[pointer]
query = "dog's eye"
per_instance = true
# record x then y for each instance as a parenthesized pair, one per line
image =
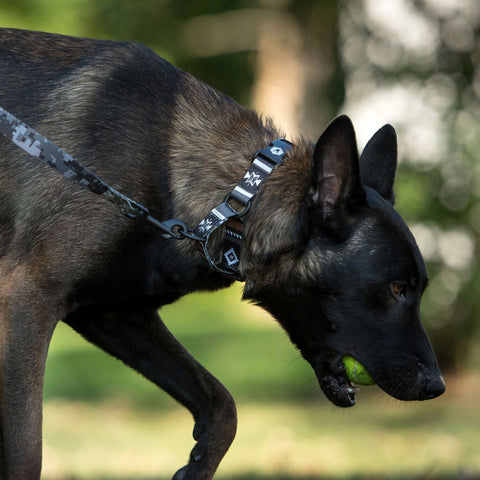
(399, 289)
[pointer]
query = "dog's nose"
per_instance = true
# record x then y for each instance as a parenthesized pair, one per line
(434, 387)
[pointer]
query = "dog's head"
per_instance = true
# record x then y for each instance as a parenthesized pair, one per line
(328, 256)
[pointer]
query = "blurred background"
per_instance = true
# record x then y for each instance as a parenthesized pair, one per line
(411, 63)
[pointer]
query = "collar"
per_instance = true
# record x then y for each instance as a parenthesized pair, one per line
(264, 162)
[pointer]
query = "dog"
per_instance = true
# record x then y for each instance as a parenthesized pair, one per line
(323, 249)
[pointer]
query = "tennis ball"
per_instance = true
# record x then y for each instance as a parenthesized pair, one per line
(356, 372)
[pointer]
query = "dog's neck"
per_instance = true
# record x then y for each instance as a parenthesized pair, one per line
(212, 144)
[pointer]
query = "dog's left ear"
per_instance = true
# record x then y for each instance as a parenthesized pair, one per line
(335, 171)
(378, 162)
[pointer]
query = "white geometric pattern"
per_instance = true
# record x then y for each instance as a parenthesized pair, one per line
(231, 257)
(252, 179)
(205, 224)
(276, 151)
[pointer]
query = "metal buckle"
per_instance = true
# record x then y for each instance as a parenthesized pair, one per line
(275, 151)
(238, 214)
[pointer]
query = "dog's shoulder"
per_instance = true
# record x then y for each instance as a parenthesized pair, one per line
(63, 77)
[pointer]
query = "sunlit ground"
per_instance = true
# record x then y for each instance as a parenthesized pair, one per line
(379, 438)
(102, 421)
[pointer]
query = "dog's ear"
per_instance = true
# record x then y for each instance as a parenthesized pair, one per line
(378, 162)
(335, 174)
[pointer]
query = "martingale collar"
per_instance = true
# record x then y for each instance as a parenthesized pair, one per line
(264, 162)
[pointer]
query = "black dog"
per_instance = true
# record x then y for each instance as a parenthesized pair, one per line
(323, 249)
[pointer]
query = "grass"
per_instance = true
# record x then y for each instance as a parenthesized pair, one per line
(377, 438)
(104, 422)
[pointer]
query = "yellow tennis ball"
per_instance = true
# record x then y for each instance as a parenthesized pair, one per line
(356, 372)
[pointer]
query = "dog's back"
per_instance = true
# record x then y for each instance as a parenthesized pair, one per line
(35, 65)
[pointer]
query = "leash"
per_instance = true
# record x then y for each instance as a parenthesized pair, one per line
(265, 161)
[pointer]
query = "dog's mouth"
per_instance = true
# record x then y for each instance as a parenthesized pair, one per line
(406, 383)
(333, 380)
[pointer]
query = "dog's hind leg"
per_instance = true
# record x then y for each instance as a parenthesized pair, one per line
(142, 341)
(25, 333)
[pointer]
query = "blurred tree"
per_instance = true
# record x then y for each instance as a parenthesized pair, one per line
(244, 48)
(161, 25)
(297, 76)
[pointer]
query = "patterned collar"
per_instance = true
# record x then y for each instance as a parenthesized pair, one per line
(264, 162)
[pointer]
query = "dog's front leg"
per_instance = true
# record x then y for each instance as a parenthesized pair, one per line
(25, 333)
(142, 341)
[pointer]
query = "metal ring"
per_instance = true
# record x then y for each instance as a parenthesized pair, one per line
(242, 212)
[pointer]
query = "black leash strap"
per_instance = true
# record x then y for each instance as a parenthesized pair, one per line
(50, 154)
(265, 161)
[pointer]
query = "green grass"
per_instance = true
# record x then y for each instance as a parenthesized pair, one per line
(105, 422)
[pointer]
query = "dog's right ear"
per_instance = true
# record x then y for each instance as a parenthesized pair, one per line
(335, 170)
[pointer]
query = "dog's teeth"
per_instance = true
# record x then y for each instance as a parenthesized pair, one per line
(352, 389)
